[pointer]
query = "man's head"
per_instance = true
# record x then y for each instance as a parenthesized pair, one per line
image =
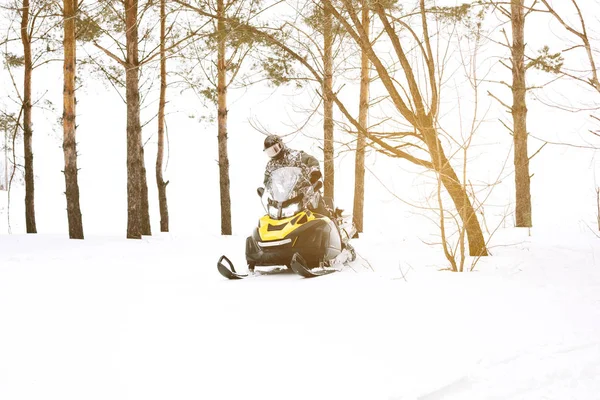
(273, 146)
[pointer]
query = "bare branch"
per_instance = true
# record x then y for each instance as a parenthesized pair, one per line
(111, 55)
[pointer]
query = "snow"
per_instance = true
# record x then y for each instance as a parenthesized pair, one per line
(153, 319)
(110, 318)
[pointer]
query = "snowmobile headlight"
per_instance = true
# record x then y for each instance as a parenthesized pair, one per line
(273, 212)
(290, 210)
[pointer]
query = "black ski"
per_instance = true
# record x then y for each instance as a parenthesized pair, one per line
(299, 267)
(228, 271)
(226, 268)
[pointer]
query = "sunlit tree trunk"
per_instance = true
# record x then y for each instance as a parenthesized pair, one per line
(134, 140)
(422, 120)
(456, 190)
(69, 126)
(222, 124)
(160, 183)
(27, 124)
(519, 113)
(145, 210)
(363, 113)
(329, 169)
(5, 160)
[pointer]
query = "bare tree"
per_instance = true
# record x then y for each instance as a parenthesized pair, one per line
(10, 127)
(363, 114)
(422, 115)
(224, 183)
(519, 113)
(452, 231)
(231, 47)
(520, 64)
(69, 125)
(138, 218)
(328, 164)
(27, 125)
(598, 206)
(131, 61)
(160, 183)
(590, 75)
(36, 36)
(583, 41)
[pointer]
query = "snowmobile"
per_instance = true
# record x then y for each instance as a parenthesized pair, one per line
(290, 234)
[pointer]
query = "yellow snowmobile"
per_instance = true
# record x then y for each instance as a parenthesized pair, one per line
(290, 234)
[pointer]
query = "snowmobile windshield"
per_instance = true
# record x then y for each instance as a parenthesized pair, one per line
(282, 183)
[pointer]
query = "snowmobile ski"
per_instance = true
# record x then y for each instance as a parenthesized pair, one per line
(299, 267)
(228, 271)
(225, 267)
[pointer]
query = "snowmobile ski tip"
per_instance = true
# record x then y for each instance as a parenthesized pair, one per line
(228, 271)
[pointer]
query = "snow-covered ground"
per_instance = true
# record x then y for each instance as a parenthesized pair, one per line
(113, 319)
(108, 318)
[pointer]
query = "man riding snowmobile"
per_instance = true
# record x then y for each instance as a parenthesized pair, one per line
(282, 156)
(298, 230)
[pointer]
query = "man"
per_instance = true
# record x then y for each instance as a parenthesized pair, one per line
(282, 156)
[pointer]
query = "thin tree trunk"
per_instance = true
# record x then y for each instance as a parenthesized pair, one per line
(363, 113)
(598, 206)
(519, 112)
(6, 159)
(69, 126)
(329, 169)
(456, 190)
(27, 124)
(145, 209)
(222, 124)
(160, 183)
(134, 140)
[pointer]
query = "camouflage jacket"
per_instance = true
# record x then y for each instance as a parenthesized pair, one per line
(292, 158)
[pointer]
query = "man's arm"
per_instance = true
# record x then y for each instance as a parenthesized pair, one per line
(309, 160)
(314, 169)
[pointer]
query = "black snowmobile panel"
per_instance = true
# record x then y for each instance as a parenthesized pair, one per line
(315, 240)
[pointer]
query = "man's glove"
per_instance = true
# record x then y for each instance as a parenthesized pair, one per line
(314, 176)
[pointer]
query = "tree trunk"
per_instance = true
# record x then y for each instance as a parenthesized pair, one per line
(145, 209)
(329, 169)
(134, 140)
(160, 183)
(5, 159)
(519, 113)
(69, 126)
(27, 124)
(363, 113)
(222, 124)
(456, 190)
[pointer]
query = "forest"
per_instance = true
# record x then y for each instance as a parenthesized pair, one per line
(460, 94)
(459, 136)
